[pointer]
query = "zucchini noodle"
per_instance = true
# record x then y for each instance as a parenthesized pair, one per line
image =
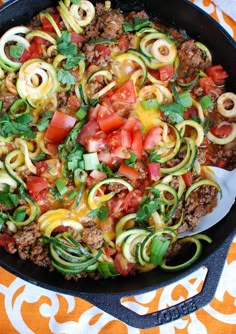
(10, 83)
(223, 100)
(225, 140)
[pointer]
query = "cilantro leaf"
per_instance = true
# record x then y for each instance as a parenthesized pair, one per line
(39, 157)
(102, 167)
(3, 218)
(100, 213)
(8, 199)
(174, 111)
(66, 77)
(73, 61)
(139, 23)
(16, 50)
(19, 126)
(154, 156)
(148, 205)
(64, 45)
(132, 159)
(127, 26)
(44, 122)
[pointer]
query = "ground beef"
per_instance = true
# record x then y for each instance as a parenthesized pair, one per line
(96, 55)
(191, 59)
(28, 246)
(200, 203)
(93, 237)
(7, 100)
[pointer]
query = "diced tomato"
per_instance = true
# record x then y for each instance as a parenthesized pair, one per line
(188, 178)
(102, 51)
(49, 169)
(221, 163)
(35, 184)
(128, 171)
(73, 101)
(60, 229)
(154, 171)
(46, 25)
(6, 240)
(120, 153)
(123, 43)
(109, 251)
(125, 93)
(126, 138)
(131, 201)
(166, 72)
(76, 38)
(137, 144)
(111, 122)
(132, 124)
(103, 111)
(190, 112)
(154, 73)
(52, 148)
(122, 265)
(59, 127)
(88, 130)
(97, 175)
(105, 157)
(96, 143)
(35, 49)
(93, 112)
(153, 138)
(222, 131)
(209, 87)
(217, 74)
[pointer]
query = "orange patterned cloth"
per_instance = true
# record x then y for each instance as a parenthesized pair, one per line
(28, 309)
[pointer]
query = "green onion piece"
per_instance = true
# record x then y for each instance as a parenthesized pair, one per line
(72, 194)
(174, 90)
(79, 176)
(158, 249)
(61, 186)
(1, 104)
(81, 114)
(20, 107)
(150, 104)
(206, 102)
(90, 161)
(185, 99)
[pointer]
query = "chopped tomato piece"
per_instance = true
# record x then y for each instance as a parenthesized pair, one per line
(132, 201)
(102, 51)
(59, 127)
(188, 178)
(123, 43)
(35, 184)
(52, 148)
(122, 265)
(154, 171)
(103, 111)
(166, 72)
(129, 172)
(109, 251)
(154, 73)
(190, 112)
(6, 240)
(97, 175)
(217, 74)
(35, 49)
(60, 229)
(96, 143)
(125, 93)
(73, 101)
(221, 163)
(222, 131)
(110, 122)
(137, 144)
(76, 38)
(152, 138)
(105, 157)
(47, 25)
(88, 130)
(120, 152)
(132, 124)
(126, 138)
(209, 87)
(49, 169)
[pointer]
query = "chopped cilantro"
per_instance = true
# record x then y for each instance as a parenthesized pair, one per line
(39, 157)
(102, 167)
(64, 45)
(132, 159)
(100, 213)
(16, 50)
(174, 111)
(148, 205)
(19, 126)
(66, 77)
(94, 102)
(44, 122)
(154, 156)
(73, 61)
(55, 193)
(139, 23)
(3, 218)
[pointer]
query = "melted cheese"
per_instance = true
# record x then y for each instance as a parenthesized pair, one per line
(148, 118)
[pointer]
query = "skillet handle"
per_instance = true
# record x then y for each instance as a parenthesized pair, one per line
(110, 303)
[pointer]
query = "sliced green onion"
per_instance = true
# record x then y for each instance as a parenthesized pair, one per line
(81, 113)
(79, 176)
(158, 249)
(206, 102)
(20, 215)
(90, 161)
(174, 107)
(185, 99)
(61, 186)
(150, 104)
(72, 194)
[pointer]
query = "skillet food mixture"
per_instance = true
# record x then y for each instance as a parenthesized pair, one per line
(106, 120)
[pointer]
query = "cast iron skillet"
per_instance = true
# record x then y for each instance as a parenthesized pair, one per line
(106, 294)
